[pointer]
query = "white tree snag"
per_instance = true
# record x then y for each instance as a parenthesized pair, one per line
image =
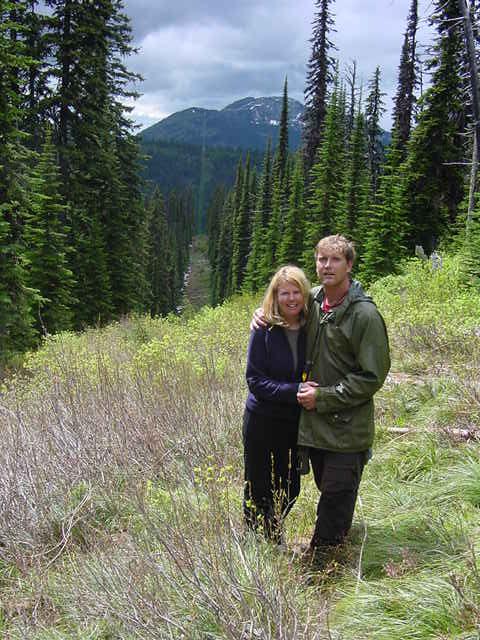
(475, 90)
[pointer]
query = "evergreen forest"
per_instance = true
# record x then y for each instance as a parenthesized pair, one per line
(87, 236)
(80, 243)
(415, 196)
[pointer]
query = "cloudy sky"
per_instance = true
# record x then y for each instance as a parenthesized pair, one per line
(208, 53)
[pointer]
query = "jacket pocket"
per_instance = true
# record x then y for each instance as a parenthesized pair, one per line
(340, 418)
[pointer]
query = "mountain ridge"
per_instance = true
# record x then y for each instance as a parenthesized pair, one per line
(247, 123)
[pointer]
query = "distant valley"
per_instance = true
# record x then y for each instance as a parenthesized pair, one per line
(200, 148)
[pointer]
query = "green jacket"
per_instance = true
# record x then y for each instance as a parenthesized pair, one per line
(349, 355)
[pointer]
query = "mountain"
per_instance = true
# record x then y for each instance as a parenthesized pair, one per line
(244, 124)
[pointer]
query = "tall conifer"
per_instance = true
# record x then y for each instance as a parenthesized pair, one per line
(326, 177)
(319, 76)
(46, 240)
(17, 299)
(161, 263)
(221, 275)
(384, 227)
(272, 235)
(89, 43)
(214, 212)
(407, 80)
(282, 149)
(292, 240)
(434, 181)
(241, 230)
(374, 107)
(262, 211)
(355, 193)
(36, 80)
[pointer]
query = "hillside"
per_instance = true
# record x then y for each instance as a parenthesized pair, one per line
(121, 486)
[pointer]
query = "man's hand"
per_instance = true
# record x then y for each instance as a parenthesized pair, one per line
(306, 395)
(258, 320)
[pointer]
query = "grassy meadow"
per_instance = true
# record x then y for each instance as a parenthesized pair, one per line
(121, 486)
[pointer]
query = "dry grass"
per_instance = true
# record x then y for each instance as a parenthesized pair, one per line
(64, 443)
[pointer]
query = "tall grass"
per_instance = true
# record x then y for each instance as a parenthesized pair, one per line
(121, 487)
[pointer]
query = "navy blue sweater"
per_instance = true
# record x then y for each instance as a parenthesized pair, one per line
(271, 378)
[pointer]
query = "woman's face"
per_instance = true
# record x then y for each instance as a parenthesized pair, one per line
(290, 301)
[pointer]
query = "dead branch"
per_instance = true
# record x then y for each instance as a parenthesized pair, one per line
(464, 434)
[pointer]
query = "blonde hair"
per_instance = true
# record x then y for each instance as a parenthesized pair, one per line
(293, 275)
(337, 243)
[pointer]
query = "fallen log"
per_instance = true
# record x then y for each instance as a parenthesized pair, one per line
(463, 434)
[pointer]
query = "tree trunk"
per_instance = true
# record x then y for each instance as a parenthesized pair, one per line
(473, 72)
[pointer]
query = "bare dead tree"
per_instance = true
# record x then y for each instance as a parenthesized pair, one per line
(466, 13)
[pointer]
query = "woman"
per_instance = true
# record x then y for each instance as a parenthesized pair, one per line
(275, 361)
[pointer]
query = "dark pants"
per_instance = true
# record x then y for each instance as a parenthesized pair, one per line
(337, 476)
(272, 481)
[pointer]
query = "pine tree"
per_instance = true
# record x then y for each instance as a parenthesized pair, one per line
(161, 263)
(89, 43)
(221, 275)
(373, 110)
(282, 149)
(36, 84)
(262, 210)
(407, 81)
(319, 77)
(233, 209)
(241, 230)
(291, 244)
(127, 255)
(252, 280)
(213, 221)
(326, 177)
(470, 248)
(46, 239)
(175, 277)
(180, 215)
(89, 262)
(351, 83)
(384, 227)
(266, 187)
(355, 193)
(17, 299)
(434, 181)
(272, 235)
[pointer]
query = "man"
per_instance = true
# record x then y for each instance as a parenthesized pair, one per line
(347, 363)
(348, 353)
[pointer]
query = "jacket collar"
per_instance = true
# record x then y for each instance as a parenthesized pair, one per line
(355, 294)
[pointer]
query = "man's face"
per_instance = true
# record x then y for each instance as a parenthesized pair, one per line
(333, 269)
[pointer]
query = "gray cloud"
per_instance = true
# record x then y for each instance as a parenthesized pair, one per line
(209, 54)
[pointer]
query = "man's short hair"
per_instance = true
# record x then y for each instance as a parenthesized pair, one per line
(337, 243)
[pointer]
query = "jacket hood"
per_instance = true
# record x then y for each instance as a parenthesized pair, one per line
(355, 294)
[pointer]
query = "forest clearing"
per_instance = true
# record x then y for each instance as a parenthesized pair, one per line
(121, 485)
